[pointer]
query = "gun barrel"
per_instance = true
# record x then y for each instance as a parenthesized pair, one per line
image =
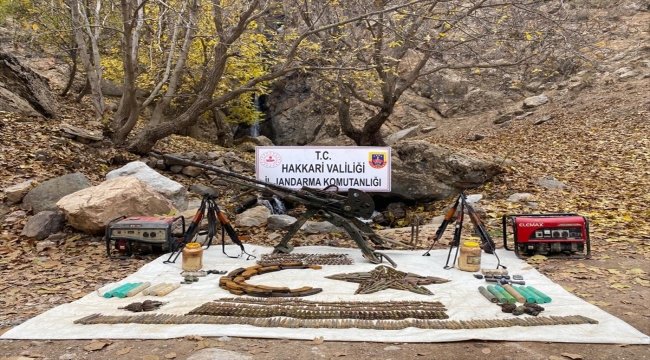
(357, 203)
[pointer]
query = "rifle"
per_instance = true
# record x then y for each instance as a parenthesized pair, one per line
(335, 208)
(487, 244)
(213, 214)
(446, 221)
(456, 241)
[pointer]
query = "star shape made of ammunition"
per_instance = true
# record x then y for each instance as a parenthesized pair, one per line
(383, 277)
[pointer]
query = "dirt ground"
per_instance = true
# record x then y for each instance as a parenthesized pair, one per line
(596, 143)
(244, 349)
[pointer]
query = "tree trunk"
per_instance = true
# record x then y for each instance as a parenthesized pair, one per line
(73, 73)
(174, 78)
(224, 135)
(90, 60)
(129, 109)
(371, 134)
(145, 140)
(84, 91)
(343, 110)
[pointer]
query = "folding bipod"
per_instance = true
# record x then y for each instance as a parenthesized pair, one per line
(487, 244)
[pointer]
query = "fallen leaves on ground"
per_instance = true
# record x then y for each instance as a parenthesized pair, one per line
(602, 158)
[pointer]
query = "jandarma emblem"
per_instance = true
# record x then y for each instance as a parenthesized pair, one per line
(377, 160)
(270, 159)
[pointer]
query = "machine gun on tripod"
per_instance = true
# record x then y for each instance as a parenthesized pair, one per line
(339, 210)
(487, 244)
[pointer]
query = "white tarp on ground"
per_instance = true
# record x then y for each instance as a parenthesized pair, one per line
(460, 296)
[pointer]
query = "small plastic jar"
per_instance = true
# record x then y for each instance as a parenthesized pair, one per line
(469, 258)
(192, 257)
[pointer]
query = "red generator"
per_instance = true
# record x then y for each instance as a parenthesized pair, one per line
(142, 234)
(551, 235)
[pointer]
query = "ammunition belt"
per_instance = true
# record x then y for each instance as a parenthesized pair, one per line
(358, 305)
(235, 281)
(306, 259)
(285, 322)
(320, 312)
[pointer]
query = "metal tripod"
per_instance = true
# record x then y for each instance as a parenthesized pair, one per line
(487, 244)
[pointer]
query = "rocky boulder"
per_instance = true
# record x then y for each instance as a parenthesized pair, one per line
(169, 188)
(319, 124)
(41, 225)
(279, 222)
(24, 91)
(15, 193)
(90, 209)
(44, 196)
(253, 217)
(321, 227)
(402, 134)
(535, 101)
(422, 171)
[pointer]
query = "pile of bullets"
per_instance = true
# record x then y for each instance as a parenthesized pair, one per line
(306, 259)
(358, 305)
(316, 310)
(383, 277)
(284, 322)
(235, 281)
(147, 305)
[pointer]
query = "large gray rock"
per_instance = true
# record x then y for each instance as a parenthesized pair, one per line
(551, 182)
(402, 134)
(44, 196)
(535, 101)
(202, 190)
(43, 224)
(192, 171)
(248, 143)
(520, 197)
(320, 126)
(253, 217)
(24, 91)
(90, 209)
(169, 188)
(321, 227)
(279, 222)
(422, 171)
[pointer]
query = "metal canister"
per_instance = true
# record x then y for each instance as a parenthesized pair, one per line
(192, 257)
(469, 258)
